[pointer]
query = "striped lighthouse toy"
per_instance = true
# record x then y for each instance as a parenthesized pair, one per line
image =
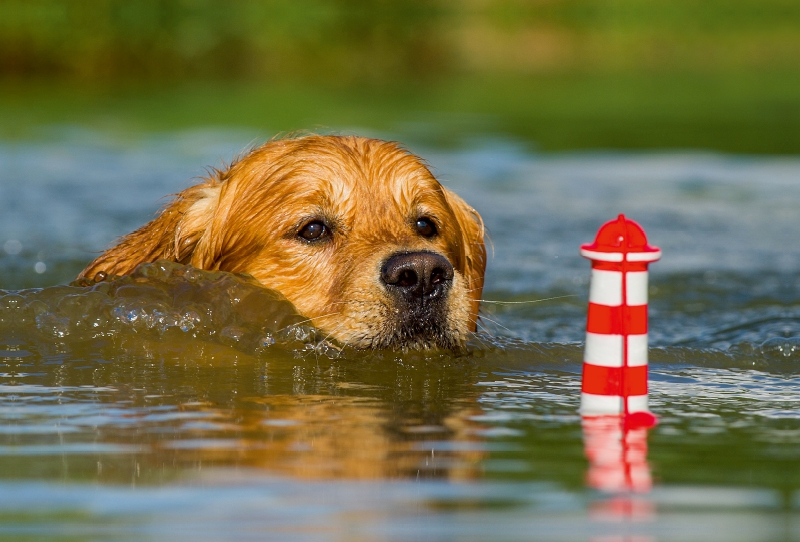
(615, 357)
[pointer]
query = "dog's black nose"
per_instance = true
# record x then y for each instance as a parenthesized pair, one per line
(417, 276)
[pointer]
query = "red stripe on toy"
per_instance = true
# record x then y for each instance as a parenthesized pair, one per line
(617, 266)
(599, 380)
(607, 320)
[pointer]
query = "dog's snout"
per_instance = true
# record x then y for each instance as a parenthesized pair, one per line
(417, 275)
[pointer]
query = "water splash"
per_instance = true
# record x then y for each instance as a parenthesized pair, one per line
(159, 300)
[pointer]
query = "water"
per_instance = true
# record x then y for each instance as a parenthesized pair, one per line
(184, 405)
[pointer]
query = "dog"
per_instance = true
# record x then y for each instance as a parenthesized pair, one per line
(357, 233)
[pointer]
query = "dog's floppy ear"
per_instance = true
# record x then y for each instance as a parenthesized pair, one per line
(473, 250)
(173, 235)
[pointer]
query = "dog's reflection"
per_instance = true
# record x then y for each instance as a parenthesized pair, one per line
(322, 436)
(323, 419)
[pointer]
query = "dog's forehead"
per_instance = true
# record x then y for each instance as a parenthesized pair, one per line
(401, 189)
(378, 181)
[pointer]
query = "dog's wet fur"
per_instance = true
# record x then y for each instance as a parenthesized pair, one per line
(355, 232)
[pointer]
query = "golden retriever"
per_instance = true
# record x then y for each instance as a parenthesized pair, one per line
(355, 232)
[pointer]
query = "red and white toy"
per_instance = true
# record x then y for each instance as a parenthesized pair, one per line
(615, 358)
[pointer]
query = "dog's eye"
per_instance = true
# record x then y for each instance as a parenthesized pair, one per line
(313, 231)
(426, 227)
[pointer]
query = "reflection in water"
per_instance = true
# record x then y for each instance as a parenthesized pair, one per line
(617, 455)
(321, 437)
(144, 410)
(618, 467)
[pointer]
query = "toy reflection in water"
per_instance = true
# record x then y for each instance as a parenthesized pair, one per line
(617, 455)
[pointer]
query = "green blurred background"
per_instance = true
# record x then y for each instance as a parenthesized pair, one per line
(555, 74)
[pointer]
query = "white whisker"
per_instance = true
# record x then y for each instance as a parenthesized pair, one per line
(525, 302)
(498, 324)
(484, 329)
(475, 336)
(307, 320)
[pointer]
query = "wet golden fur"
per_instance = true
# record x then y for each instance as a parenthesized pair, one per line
(246, 219)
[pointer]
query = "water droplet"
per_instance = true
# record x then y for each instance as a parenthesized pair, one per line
(53, 324)
(232, 333)
(266, 341)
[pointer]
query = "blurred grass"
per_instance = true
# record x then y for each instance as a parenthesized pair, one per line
(745, 114)
(173, 39)
(380, 40)
(563, 74)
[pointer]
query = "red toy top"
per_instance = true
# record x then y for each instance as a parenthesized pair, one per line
(620, 237)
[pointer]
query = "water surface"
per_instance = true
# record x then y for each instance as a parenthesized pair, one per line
(181, 410)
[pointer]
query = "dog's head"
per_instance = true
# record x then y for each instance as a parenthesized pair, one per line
(355, 232)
